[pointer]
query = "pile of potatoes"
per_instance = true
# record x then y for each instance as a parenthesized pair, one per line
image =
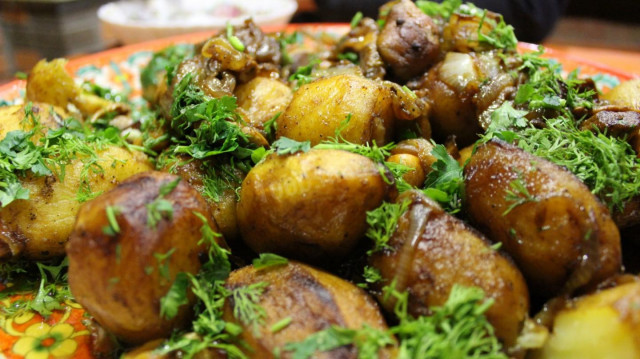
(560, 249)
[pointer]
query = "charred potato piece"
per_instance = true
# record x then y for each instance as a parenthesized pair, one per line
(39, 227)
(309, 205)
(319, 108)
(263, 98)
(314, 300)
(120, 275)
(600, 325)
(556, 230)
(431, 251)
(409, 42)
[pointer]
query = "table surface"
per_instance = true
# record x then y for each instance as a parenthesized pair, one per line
(627, 61)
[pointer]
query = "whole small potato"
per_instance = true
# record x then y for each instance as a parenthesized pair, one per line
(319, 108)
(431, 251)
(309, 205)
(39, 227)
(312, 301)
(601, 325)
(559, 234)
(119, 275)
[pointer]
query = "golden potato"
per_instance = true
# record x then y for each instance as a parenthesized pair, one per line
(262, 98)
(49, 82)
(600, 325)
(312, 299)
(626, 94)
(39, 227)
(319, 108)
(431, 251)
(556, 230)
(419, 147)
(416, 175)
(309, 205)
(120, 272)
(13, 118)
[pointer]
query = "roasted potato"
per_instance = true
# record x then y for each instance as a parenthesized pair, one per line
(39, 227)
(314, 300)
(601, 325)
(560, 235)
(120, 274)
(311, 205)
(431, 251)
(319, 108)
(262, 98)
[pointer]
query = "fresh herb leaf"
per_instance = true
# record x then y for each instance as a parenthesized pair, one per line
(268, 260)
(442, 10)
(165, 60)
(383, 222)
(518, 194)
(355, 21)
(246, 304)
(234, 40)
(302, 75)
(280, 325)
(287, 146)
(445, 182)
(161, 208)
(176, 297)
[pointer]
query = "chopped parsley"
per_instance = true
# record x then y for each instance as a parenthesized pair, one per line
(445, 182)
(160, 207)
(287, 146)
(383, 222)
(269, 260)
(165, 60)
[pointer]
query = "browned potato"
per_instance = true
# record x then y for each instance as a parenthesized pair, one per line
(556, 230)
(314, 300)
(120, 275)
(39, 227)
(601, 325)
(409, 42)
(262, 98)
(319, 108)
(418, 147)
(309, 205)
(431, 251)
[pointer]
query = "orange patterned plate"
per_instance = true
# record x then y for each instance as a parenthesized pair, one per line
(64, 334)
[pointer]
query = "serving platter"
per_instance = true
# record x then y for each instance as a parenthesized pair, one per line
(64, 333)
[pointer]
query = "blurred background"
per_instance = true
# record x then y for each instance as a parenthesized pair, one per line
(35, 29)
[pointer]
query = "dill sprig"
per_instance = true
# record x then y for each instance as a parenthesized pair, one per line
(383, 222)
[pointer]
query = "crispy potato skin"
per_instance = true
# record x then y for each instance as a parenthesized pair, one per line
(262, 98)
(309, 205)
(313, 299)
(318, 109)
(601, 325)
(562, 238)
(120, 279)
(38, 228)
(432, 250)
